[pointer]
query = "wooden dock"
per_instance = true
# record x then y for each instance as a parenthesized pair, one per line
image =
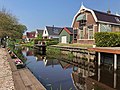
(112, 50)
(24, 79)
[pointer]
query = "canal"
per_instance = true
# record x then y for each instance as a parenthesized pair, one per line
(76, 74)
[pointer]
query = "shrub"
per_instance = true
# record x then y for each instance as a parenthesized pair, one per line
(51, 43)
(53, 52)
(48, 41)
(70, 56)
(107, 39)
(36, 40)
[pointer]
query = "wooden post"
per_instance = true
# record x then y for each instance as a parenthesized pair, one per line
(98, 73)
(115, 79)
(99, 57)
(88, 56)
(115, 62)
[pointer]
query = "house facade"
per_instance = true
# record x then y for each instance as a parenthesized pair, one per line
(24, 38)
(30, 35)
(66, 35)
(39, 32)
(87, 22)
(51, 32)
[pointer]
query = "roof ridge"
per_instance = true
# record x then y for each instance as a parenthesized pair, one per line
(69, 27)
(54, 26)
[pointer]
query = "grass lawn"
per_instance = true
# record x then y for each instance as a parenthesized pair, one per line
(76, 45)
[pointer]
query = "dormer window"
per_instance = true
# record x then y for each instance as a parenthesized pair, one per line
(81, 17)
(55, 30)
(117, 19)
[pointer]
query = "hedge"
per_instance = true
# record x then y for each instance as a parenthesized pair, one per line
(51, 42)
(48, 41)
(107, 39)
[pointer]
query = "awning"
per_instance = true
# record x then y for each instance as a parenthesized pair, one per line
(81, 17)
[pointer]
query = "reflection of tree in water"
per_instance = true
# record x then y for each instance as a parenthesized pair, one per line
(34, 52)
(39, 52)
(18, 52)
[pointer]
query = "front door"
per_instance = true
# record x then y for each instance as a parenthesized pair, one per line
(64, 39)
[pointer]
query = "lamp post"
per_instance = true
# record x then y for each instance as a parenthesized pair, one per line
(6, 39)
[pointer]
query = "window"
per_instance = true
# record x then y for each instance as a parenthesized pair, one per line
(82, 23)
(75, 34)
(81, 32)
(90, 32)
(117, 19)
(105, 28)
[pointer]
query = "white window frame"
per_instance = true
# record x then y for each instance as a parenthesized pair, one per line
(89, 33)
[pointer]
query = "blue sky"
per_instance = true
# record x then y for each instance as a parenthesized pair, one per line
(39, 13)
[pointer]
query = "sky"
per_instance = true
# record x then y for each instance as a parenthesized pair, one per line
(36, 14)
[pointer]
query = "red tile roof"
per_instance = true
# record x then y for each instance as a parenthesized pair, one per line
(69, 30)
(24, 37)
(31, 34)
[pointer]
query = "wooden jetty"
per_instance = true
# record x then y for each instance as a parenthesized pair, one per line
(24, 79)
(40, 47)
(112, 50)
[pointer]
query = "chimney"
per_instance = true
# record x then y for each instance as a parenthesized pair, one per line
(53, 28)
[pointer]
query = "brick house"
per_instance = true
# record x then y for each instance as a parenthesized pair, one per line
(87, 22)
(30, 35)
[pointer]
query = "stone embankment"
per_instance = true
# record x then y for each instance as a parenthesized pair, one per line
(6, 79)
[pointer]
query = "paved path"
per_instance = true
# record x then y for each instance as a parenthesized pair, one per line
(6, 80)
(12, 78)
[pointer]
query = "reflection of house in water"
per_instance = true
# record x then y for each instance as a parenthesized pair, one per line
(65, 65)
(107, 78)
(79, 77)
(24, 49)
(108, 59)
(101, 78)
(50, 62)
(40, 57)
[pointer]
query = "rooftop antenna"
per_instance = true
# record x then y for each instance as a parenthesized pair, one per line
(82, 4)
(108, 7)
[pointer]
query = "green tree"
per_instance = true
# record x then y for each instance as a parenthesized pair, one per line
(9, 25)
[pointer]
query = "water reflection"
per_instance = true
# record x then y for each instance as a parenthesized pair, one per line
(76, 74)
(80, 76)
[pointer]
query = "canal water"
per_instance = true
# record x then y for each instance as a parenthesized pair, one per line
(57, 74)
